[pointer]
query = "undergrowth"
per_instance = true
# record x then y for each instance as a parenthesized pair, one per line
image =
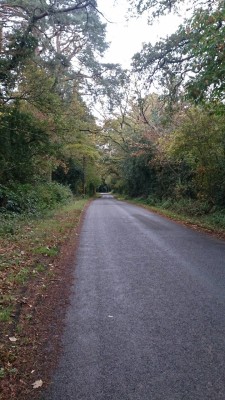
(28, 258)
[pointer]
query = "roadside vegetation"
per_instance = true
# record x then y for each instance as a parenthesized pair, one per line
(33, 257)
(160, 140)
(188, 212)
(49, 55)
(166, 141)
(174, 162)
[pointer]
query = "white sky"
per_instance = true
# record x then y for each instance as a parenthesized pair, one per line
(126, 37)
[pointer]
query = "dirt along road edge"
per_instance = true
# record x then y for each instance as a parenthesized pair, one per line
(39, 357)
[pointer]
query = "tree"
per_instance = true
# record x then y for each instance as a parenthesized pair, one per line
(49, 52)
(199, 142)
(128, 144)
(23, 140)
(162, 7)
(192, 60)
(69, 173)
(52, 34)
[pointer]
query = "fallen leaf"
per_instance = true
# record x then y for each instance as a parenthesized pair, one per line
(13, 339)
(37, 384)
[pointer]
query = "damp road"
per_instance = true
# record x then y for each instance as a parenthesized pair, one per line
(146, 319)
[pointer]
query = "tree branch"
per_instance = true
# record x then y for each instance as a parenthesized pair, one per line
(52, 11)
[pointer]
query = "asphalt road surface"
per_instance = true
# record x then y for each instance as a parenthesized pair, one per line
(147, 314)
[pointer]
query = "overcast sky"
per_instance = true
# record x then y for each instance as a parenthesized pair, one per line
(127, 37)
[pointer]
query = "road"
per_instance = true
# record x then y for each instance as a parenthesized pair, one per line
(147, 313)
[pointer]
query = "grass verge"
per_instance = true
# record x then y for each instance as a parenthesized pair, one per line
(29, 258)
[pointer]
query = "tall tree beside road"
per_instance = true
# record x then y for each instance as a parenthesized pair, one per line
(192, 60)
(52, 34)
(49, 52)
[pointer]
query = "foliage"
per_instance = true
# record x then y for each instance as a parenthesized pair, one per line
(49, 62)
(138, 175)
(162, 7)
(31, 271)
(51, 33)
(28, 198)
(192, 59)
(171, 158)
(48, 52)
(200, 142)
(69, 173)
(189, 211)
(22, 140)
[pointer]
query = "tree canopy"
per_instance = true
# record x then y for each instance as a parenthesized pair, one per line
(51, 75)
(49, 57)
(192, 60)
(63, 37)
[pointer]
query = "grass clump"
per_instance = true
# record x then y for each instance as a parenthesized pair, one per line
(5, 313)
(46, 251)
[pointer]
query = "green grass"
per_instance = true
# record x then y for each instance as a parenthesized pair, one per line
(32, 248)
(28, 266)
(46, 251)
(2, 372)
(5, 314)
(40, 268)
(22, 276)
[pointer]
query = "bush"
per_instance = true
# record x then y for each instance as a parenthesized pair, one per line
(33, 198)
(217, 219)
(51, 194)
(187, 206)
(167, 204)
(152, 200)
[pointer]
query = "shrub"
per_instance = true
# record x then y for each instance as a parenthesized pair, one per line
(152, 201)
(29, 198)
(51, 194)
(187, 206)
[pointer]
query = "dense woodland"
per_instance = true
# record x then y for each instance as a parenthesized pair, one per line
(161, 133)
